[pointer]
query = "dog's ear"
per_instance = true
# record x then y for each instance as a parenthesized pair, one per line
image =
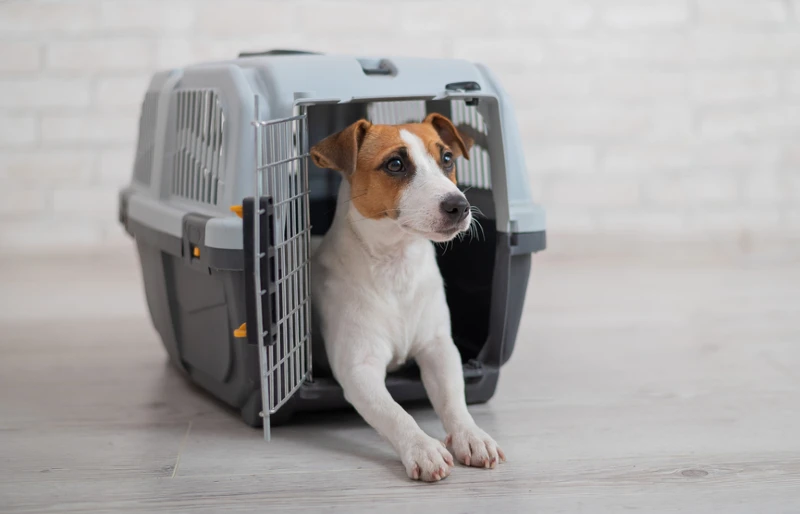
(449, 133)
(340, 151)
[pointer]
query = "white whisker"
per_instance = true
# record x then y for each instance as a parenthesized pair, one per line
(476, 211)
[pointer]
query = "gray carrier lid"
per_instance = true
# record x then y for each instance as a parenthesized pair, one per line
(221, 108)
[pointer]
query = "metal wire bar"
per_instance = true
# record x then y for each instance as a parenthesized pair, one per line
(257, 256)
(265, 123)
(282, 161)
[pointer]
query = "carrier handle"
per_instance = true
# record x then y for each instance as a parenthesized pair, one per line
(463, 86)
(382, 67)
(278, 51)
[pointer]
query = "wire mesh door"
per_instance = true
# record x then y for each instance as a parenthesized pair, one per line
(281, 260)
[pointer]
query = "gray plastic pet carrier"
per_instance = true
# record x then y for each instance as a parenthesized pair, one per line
(224, 203)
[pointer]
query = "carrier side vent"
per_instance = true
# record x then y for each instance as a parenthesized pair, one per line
(395, 113)
(475, 172)
(198, 163)
(143, 162)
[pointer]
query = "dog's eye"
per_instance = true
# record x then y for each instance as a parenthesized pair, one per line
(447, 160)
(394, 165)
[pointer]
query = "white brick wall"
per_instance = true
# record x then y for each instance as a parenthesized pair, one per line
(101, 53)
(37, 94)
(88, 129)
(16, 56)
(652, 14)
(18, 130)
(748, 13)
(679, 117)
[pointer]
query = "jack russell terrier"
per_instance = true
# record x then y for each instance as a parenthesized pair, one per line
(379, 293)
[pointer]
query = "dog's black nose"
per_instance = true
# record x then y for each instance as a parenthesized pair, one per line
(455, 207)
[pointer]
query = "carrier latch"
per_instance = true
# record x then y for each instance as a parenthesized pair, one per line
(194, 239)
(463, 86)
(466, 86)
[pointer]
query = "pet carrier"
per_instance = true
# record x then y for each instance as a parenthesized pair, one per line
(224, 205)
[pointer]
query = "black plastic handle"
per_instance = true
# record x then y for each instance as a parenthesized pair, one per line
(277, 51)
(382, 67)
(463, 86)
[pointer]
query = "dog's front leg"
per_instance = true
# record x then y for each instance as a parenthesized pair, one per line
(364, 387)
(442, 374)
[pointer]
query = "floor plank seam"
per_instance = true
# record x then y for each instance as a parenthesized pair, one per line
(180, 449)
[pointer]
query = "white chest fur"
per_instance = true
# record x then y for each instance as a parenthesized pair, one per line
(378, 290)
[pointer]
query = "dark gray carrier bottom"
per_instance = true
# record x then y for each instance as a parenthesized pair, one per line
(196, 303)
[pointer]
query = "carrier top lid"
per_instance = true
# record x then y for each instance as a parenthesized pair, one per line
(293, 75)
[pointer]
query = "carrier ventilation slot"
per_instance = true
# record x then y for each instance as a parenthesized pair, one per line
(475, 172)
(395, 113)
(199, 145)
(144, 149)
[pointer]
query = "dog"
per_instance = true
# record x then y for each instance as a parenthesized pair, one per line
(378, 291)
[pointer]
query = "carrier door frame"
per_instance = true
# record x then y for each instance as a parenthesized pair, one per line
(277, 241)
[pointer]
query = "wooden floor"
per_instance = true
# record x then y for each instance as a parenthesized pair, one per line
(658, 385)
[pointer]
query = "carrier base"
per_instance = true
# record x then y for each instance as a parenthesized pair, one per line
(195, 309)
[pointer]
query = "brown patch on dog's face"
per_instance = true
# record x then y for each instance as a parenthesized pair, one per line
(375, 187)
(377, 161)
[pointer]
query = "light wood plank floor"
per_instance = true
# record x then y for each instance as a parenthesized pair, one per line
(651, 385)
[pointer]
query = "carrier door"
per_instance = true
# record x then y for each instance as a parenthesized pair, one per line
(277, 240)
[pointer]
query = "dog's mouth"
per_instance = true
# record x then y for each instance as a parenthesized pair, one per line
(443, 236)
(437, 236)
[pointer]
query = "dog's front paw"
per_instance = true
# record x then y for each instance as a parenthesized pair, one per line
(426, 459)
(474, 447)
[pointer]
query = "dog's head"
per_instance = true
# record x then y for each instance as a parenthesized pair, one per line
(403, 172)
